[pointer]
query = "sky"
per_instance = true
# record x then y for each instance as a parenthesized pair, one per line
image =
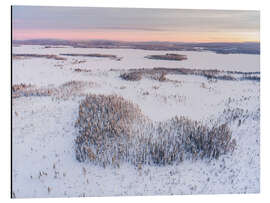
(134, 24)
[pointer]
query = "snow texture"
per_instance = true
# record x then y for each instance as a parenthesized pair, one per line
(43, 133)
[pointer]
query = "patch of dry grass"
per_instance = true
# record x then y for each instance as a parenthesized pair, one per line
(24, 90)
(110, 56)
(22, 86)
(47, 56)
(63, 91)
(170, 57)
(159, 74)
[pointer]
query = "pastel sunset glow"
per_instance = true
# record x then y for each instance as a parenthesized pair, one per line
(126, 24)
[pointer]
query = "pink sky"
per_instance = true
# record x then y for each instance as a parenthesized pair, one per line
(128, 24)
(134, 35)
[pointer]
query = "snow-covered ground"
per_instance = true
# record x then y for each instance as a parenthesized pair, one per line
(43, 133)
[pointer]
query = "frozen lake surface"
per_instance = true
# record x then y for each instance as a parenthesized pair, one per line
(134, 58)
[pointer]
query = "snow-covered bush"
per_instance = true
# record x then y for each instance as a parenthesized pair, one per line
(113, 130)
(106, 127)
(180, 138)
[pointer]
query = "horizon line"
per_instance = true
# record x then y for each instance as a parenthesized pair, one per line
(126, 41)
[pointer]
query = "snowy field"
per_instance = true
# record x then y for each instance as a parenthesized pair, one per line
(43, 133)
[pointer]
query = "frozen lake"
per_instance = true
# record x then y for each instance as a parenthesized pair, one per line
(134, 58)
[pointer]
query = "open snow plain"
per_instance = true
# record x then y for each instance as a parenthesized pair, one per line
(45, 107)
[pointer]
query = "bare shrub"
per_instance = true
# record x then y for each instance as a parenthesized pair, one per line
(234, 114)
(238, 115)
(203, 85)
(253, 78)
(162, 77)
(113, 130)
(81, 70)
(145, 93)
(78, 61)
(133, 76)
(225, 77)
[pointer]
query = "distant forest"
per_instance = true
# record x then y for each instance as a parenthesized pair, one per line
(219, 48)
